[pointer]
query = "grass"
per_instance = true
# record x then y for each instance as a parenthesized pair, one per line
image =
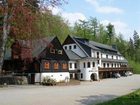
(130, 99)
(135, 66)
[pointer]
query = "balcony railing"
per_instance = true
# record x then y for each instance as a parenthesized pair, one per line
(116, 69)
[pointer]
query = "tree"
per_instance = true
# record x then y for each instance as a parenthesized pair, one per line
(136, 39)
(131, 49)
(110, 31)
(51, 25)
(94, 26)
(82, 28)
(19, 20)
(102, 34)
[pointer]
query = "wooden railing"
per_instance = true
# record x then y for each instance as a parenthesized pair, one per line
(116, 69)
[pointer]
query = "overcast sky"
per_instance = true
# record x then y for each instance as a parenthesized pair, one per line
(123, 14)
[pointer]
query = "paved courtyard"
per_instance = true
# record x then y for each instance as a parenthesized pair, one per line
(84, 94)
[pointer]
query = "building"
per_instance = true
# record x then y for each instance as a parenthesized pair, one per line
(37, 59)
(90, 60)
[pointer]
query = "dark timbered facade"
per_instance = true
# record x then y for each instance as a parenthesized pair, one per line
(33, 58)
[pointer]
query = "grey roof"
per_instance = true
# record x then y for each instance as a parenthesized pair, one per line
(100, 45)
(89, 45)
(37, 46)
(72, 55)
(114, 60)
(40, 44)
(96, 46)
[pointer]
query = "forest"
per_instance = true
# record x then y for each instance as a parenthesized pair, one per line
(31, 19)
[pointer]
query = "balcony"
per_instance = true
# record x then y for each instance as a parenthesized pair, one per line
(115, 69)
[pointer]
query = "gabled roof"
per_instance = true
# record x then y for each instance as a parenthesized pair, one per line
(37, 46)
(72, 55)
(96, 46)
(73, 39)
(40, 44)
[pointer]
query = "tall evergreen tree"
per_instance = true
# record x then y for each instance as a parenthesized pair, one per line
(136, 39)
(94, 26)
(110, 31)
(131, 48)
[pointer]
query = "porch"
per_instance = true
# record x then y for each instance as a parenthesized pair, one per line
(109, 72)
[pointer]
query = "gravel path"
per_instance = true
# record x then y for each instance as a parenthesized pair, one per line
(84, 94)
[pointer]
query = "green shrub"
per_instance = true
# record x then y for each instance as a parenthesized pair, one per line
(48, 81)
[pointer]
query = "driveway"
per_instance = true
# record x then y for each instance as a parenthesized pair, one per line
(84, 94)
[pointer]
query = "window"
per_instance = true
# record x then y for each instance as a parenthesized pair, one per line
(116, 57)
(84, 65)
(104, 65)
(65, 47)
(52, 50)
(55, 65)
(64, 66)
(88, 64)
(60, 52)
(81, 75)
(70, 47)
(70, 65)
(107, 64)
(101, 55)
(93, 64)
(74, 46)
(97, 54)
(98, 62)
(118, 65)
(107, 56)
(115, 64)
(47, 65)
(112, 64)
(75, 65)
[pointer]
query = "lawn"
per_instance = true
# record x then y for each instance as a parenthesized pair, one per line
(130, 99)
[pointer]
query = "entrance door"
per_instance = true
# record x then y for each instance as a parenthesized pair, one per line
(93, 77)
(32, 78)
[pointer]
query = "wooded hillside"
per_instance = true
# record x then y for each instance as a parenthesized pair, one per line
(25, 19)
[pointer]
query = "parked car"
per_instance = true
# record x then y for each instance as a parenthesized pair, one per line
(117, 75)
(128, 73)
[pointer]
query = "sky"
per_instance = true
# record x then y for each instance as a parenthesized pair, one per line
(123, 14)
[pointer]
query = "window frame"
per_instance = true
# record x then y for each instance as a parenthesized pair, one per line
(74, 46)
(93, 64)
(88, 65)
